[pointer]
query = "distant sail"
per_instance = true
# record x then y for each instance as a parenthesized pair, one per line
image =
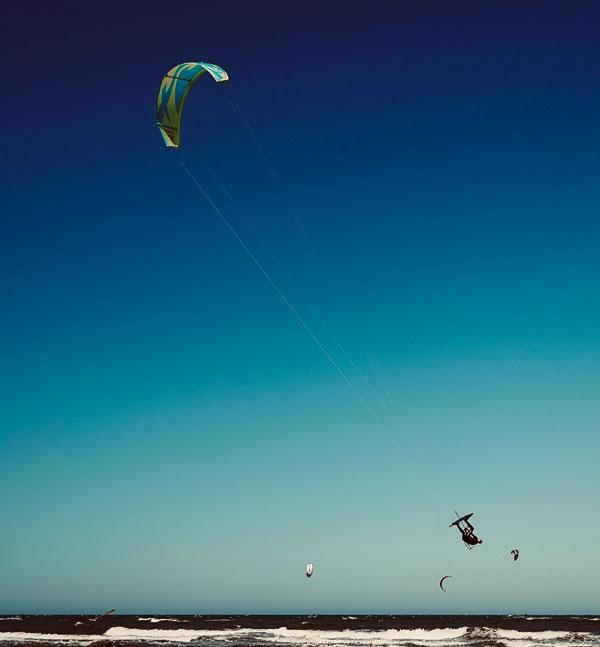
(442, 582)
(309, 569)
(106, 613)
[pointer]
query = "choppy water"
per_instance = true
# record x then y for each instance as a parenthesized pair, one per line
(312, 631)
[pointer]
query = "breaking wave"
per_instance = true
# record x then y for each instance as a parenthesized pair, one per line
(252, 637)
(286, 636)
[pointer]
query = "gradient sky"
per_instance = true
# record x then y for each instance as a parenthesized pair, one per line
(171, 439)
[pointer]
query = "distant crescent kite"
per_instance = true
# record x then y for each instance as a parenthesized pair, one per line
(442, 582)
(173, 92)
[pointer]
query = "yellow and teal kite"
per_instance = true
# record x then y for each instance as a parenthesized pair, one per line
(173, 91)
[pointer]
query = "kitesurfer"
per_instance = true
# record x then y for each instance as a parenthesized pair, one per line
(467, 531)
(469, 537)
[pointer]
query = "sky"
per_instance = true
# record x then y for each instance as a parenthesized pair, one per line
(171, 437)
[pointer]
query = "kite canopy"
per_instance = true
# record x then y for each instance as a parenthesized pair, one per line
(309, 570)
(442, 582)
(173, 92)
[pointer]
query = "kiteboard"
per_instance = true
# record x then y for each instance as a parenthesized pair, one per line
(465, 519)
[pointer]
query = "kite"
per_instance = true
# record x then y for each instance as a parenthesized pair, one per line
(173, 92)
(442, 582)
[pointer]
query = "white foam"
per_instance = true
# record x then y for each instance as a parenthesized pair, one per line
(220, 620)
(22, 636)
(510, 634)
(155, 620)
(292, 636)
(579, 642)
(514, 638)
(538, 618)
(319, 638)
(179, 635)
(593, 618)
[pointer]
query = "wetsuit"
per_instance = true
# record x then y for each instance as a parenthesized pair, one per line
(469, 538)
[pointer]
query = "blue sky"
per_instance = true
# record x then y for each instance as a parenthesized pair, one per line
(171, 439)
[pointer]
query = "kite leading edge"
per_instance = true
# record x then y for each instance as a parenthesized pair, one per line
(172, 94)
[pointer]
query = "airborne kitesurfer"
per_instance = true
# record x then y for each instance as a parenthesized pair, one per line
(469, 537)
(467, 531)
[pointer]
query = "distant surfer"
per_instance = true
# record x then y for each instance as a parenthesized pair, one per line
(467, 531)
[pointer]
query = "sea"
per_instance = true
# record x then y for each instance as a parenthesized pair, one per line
(297, 631)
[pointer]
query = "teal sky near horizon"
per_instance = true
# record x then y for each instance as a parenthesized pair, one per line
(171, 439)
